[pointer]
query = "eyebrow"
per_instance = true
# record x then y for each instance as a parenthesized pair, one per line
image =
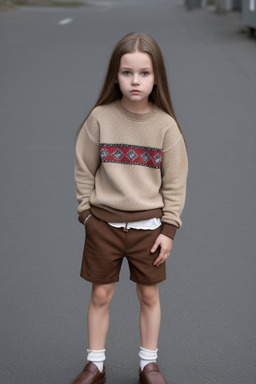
(141, 69)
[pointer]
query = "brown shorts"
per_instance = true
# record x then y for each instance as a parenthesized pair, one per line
(106, 246)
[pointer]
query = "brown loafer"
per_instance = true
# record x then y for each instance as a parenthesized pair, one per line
(151, 375)
(90, 375)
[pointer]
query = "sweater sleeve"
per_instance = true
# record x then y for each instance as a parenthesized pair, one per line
(174, 177)
(87, 160)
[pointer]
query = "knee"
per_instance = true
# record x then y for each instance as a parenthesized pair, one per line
(148, 295)
(101, 295)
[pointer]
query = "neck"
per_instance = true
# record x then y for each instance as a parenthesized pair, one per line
(137, 107)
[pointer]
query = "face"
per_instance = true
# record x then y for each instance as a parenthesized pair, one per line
(135, 78)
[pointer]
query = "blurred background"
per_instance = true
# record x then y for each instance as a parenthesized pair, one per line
(54, 54)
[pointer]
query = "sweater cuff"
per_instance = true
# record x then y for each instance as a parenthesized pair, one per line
(82, 216)
(169, 230)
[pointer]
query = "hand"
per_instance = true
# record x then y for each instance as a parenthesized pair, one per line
(165, 243)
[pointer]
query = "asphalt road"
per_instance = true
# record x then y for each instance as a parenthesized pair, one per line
(51, 73)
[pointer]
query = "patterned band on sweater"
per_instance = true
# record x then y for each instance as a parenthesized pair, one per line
(131, 154)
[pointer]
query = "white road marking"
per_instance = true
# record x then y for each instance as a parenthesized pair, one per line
(65, 21)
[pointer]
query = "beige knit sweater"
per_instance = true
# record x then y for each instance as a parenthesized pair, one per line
(131, 167)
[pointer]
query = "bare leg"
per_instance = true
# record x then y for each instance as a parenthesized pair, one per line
(98, 315)
(150, 315)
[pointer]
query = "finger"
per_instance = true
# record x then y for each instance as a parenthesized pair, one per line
(157, 262)
(155, 246)
(160, 259)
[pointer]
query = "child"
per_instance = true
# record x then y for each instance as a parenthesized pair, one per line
(130, 173)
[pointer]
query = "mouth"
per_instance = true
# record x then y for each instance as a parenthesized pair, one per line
(135, 91)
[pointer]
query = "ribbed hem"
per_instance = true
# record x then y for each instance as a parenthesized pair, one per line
(124, 216)
(116, 216)
(169, 230)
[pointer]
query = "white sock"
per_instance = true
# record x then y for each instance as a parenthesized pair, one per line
(97, 357)
(147, 356)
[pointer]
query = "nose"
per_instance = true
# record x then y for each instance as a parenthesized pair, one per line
(135, 80)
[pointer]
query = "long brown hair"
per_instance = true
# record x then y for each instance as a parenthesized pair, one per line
(160, 95)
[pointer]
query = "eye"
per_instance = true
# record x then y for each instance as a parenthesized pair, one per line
(126, 73)
(144, 73)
